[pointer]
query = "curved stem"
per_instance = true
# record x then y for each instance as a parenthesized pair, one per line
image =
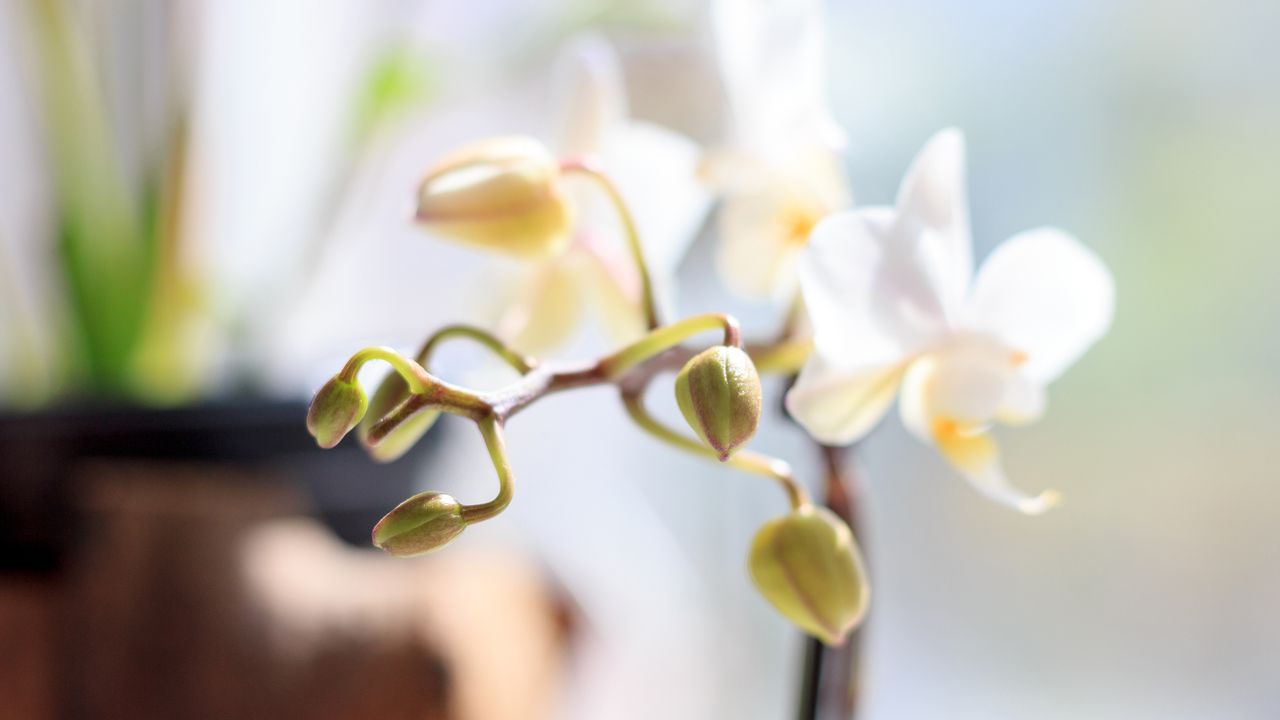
(665, 338)
(415, 376)
(506, 353)
(399, 414)
(744, 460)
(587, 168)
(451, 399)
(431, 389)
(541, 382)
(494, 441)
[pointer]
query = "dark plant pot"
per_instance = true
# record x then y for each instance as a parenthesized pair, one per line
(41, 451)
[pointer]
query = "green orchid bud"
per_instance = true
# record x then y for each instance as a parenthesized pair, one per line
(335, 409)
(719, 394)
(390, 394)
(425, 522)
(808, 566)
(503, 194)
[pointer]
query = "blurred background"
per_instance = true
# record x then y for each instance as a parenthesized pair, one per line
(204, 209)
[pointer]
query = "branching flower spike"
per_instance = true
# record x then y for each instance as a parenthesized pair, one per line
(504, 195)
(887, 293)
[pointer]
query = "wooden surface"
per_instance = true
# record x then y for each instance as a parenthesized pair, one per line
(196, 591)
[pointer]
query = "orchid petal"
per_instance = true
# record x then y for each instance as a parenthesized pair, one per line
(756, 257)
(977, 457)
(764, 229)
(839, 406)
(969, 378)
(948, 399)
(1045, 295)
(615, 300)
(656, 170)
(932, 202)
(772, 59)
(545, 309)
(1024, 401)
(592, 97)
(729, 169)
(973, 379)
(868, 297)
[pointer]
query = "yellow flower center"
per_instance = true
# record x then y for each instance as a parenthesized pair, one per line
(966, 445)
(797, 223)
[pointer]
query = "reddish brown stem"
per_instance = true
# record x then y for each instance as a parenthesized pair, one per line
(830, 685)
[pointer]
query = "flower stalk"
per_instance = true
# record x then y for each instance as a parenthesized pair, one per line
(589, 169)
(718, 391)
(665, 338)
(518, 362)
(888, 307)
(631, 368)
(495, 443)
(745, 460)
(831, 678)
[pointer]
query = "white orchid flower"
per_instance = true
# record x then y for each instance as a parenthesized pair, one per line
(780, 171)
(655, 170)
(893, 305)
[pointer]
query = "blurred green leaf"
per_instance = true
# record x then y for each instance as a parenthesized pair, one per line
(398, 82)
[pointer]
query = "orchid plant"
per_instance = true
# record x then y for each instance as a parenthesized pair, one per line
(883, 303)
(654, 167)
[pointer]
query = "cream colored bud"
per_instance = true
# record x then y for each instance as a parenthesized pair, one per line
(390, 395)
(425, 522)
(335, 409)
(719, 394)
(808, 566)
(503, 194)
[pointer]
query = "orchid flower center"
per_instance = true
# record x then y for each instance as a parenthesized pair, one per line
(797, 224)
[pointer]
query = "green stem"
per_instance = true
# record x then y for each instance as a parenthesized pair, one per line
(433, 391)
(744, 460)
(587, 168)
(665, 338)
(417, 378)
(494, 441)
(509, 355)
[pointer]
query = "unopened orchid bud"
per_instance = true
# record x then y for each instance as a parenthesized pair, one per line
(719, 394)
(335, 409)
(807, 565)
(390, 395)
(425, 522)
(504, 194)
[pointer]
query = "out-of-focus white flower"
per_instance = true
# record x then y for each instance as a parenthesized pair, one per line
(893, 305)
(780, 171)
(656, 172)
